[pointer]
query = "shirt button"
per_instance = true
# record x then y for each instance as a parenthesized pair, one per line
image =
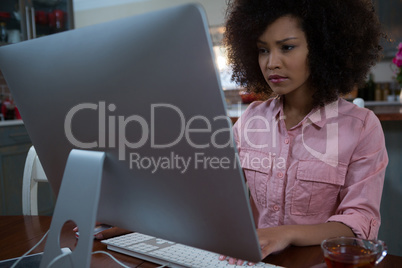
(287, 141)
(280, 175)
(374, 223)
(276, 207)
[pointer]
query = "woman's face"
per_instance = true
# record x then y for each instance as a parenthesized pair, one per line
(283, 56)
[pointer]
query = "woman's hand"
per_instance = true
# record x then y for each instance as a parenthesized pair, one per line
(108, 232)
(111, 232)
(274, 239)
(234, 261)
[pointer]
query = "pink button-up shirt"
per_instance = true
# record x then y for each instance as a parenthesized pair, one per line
(329, 167)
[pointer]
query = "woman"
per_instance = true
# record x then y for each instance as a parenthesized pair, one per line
(314, 163)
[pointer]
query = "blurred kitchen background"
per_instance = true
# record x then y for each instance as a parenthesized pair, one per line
(26, 19)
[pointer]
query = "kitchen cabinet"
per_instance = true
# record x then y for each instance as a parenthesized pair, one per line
(14, 146)
(27, 19)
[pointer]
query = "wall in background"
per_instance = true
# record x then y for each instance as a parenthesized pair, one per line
(384, 71)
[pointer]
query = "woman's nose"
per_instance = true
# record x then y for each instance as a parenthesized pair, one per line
(273, 61)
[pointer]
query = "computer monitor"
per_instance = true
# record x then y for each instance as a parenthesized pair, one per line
(145, 90)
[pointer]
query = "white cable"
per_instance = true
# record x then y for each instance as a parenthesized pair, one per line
(29, 251)
(59, 257)
(117, 261)
(111, 256)
(69, 253)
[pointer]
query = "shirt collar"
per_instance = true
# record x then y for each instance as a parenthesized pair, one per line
(317, 116)
(278, 107)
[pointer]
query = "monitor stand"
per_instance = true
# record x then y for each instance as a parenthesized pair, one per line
(84, 172)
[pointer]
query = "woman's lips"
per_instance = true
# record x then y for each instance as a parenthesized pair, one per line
(276, 78)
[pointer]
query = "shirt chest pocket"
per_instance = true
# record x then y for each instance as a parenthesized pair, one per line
(257, 169)
(316, 187)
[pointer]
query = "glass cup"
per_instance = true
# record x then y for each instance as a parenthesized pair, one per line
(351, 252)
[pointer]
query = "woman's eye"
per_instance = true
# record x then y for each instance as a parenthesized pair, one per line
(262, 50)
(287, 47)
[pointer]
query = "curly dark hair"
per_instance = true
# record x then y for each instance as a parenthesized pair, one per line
(342, 35)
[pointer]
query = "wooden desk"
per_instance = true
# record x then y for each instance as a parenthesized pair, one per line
(20, 233)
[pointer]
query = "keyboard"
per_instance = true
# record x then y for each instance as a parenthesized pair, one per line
(168, 253)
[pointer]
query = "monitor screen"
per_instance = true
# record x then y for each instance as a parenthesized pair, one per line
(145, 90)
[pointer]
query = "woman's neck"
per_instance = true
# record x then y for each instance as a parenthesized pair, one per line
(296, 106)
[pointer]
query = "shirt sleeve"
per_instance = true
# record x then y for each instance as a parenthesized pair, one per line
(360, 197)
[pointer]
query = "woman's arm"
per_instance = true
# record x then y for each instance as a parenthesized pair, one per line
(108, 233)
(278, 238)
(275, 239)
